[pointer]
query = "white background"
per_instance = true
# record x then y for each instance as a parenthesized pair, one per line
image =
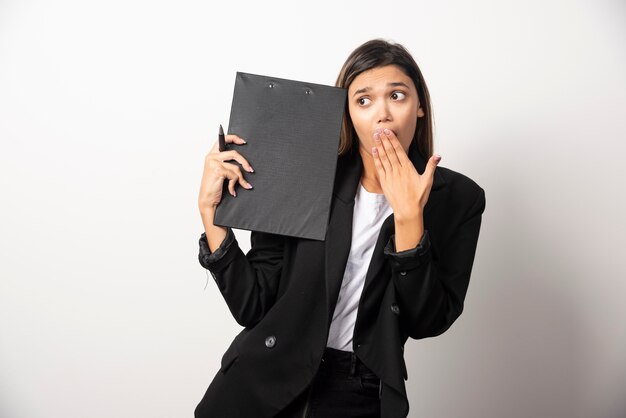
(107, 109)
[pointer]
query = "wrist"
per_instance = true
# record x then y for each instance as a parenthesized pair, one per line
(408, 232)
(408, 219)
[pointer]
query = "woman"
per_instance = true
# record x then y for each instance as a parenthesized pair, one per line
(326, 321)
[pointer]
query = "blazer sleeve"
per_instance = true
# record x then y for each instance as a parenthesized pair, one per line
(430, 293)
(248, 282)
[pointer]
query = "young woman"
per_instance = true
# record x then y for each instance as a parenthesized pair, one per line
(326, 321)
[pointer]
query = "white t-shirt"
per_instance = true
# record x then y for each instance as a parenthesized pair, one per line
(370, 211)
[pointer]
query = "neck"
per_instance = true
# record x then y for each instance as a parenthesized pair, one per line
(369, 177)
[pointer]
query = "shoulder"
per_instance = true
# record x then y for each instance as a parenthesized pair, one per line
(463, 191)
(458, 181)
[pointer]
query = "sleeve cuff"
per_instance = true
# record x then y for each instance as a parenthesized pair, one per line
(206, 257)
(409, 258)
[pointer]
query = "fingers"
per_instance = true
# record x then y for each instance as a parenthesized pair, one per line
(231, 187)
(377, 163)
(234, 176)
(234, 139)
(218, 171)
(403, 159)
(429, 171)
(229, 139)
(381, 153)
(234, 155)
(390, 150)
(231, 154)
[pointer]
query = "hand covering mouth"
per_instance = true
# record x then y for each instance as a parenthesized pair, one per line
(392, 130)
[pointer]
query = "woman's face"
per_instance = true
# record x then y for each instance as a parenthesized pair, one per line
(384, 97)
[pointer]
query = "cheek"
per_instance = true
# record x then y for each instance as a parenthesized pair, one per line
(410, 124)
(359, 121)
(410, 134)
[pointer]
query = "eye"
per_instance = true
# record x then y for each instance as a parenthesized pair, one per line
(363, 101)
(397, 95)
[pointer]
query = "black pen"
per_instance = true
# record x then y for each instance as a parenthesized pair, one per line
(221, 140)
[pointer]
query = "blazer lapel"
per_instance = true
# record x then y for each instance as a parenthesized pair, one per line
(339, 232)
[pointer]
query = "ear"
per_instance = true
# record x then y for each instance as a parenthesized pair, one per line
(420, 112)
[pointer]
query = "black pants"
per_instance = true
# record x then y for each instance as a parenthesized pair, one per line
(342, 388)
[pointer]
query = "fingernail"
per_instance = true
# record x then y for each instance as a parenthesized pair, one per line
(249, 186)
(378, 130)
(387, 131)
(374, 150)
(377, 137)
(437, 157)
(250, 170)
(234, 194)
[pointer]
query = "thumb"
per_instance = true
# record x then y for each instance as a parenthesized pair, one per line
(429, 171)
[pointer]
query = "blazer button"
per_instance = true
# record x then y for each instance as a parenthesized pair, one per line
(395, 309)
(270, 341)
(403, 273)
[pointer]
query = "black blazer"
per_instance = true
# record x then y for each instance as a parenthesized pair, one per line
(285, 289)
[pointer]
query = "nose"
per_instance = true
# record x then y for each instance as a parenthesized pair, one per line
(383, 112)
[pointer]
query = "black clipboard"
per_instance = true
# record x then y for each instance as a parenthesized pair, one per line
(292, 132)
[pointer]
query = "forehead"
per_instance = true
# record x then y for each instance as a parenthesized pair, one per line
(380, 77)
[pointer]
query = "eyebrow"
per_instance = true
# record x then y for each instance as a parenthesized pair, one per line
(394, 84)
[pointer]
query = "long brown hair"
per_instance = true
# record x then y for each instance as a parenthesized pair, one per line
(379, 53)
